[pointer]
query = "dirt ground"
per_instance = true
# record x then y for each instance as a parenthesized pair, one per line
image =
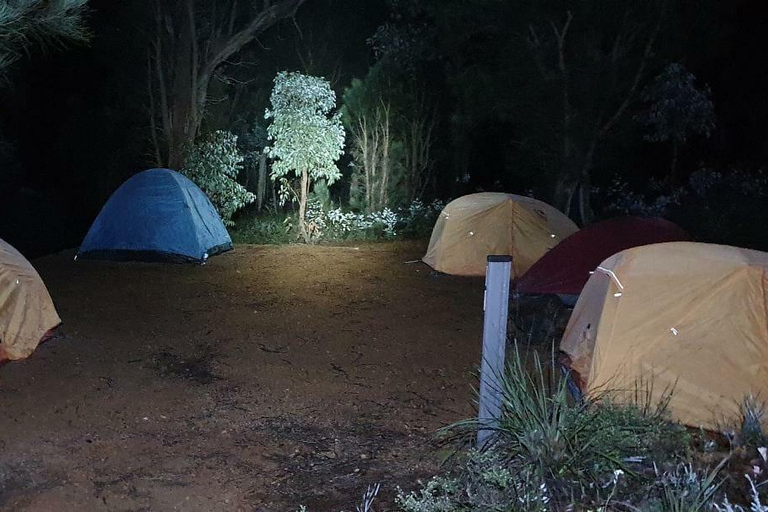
(268, 378)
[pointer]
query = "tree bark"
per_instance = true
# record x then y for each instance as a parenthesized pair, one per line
(576, 151)
(304, 193)
(189, 47)
(261, 186)
(386, 161)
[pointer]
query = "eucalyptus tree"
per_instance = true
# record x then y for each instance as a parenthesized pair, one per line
(307, 138)
(677, 110)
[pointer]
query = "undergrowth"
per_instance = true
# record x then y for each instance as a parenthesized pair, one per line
(550, 452)
(336, 224)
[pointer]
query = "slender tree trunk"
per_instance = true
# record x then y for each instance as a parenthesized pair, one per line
(303, 231)
(386, 161)
(261, 187)
(565, 189)
(586, 214)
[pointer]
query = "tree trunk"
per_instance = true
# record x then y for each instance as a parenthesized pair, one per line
(565, 188)
(261, 188)
(586, 215)
(184, 92)
(386, 162)
(303, 231)
(187, 50)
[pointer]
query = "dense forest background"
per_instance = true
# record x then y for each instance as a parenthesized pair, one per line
(601, 108)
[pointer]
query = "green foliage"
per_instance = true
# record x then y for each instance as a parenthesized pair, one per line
(714, 206)
(549, 452)
(437, 495)
(686, 490)
(384, 84)
(337, 224)
(677, 108)
(752, 415)
(303, 136)
(755, 501)
(272, 229)
(213, 165)
(391, 124)
(27, 22)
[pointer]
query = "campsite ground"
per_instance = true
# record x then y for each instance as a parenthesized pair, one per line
(270, 377)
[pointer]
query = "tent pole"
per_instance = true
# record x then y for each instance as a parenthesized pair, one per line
(496, 307)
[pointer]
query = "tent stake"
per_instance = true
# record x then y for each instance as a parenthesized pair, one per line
(496, 307)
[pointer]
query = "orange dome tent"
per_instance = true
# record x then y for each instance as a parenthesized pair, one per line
(472, 227)
(684, 318)
(26, 309)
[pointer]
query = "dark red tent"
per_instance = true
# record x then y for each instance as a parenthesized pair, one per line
(564, 270)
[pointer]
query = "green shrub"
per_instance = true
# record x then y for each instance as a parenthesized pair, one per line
(337, 224)
(264, 229)
(549, 451)
(213, 165)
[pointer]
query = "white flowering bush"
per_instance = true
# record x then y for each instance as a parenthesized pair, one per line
(415, 219)
(213, 165)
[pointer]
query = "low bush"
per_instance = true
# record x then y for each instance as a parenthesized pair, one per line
(550, 452)
(273, 229)
(724, 207)
(334, 225)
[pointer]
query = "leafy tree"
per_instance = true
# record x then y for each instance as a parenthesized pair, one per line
(677, 110)
(390, 116)
(192, 40)
(307, 139)
(214, 165)
(26, 22)
(372, 123)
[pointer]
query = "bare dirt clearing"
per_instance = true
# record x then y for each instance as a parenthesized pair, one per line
(272, 376)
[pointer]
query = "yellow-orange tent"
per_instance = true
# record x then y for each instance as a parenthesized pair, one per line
(474, 226)
(26, 308)
(679, 317)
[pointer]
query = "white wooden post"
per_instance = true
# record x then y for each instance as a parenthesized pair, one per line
(496, 307)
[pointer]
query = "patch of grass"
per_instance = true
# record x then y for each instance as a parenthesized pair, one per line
(684, 489)
(550, 452)
(271, 229)
(752, 412)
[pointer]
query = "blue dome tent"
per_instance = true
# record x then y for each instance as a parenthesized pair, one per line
(157, 215)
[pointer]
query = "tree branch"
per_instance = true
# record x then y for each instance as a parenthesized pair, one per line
(638, 76)
(265, 19)
(161, 81)
(232, 18)
(153, 112)
(566, 99)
